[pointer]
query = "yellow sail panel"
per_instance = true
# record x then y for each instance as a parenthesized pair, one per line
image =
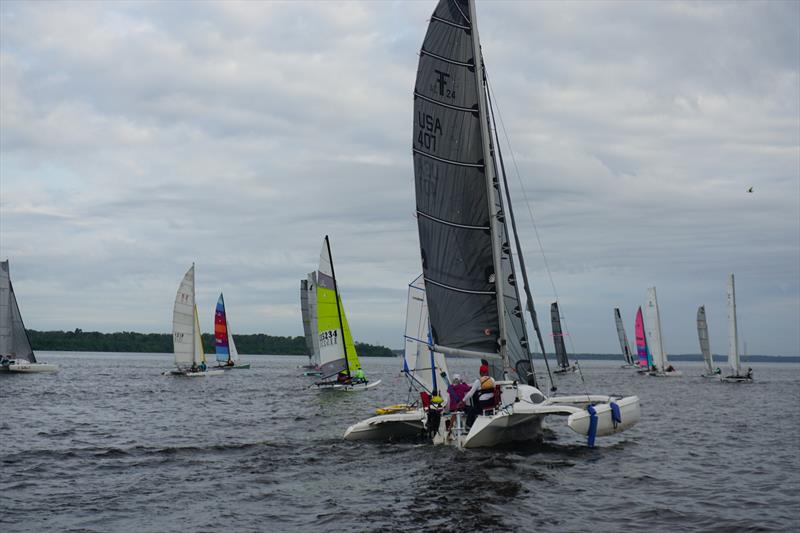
(331, 347)
(199, 351)
(352, 356)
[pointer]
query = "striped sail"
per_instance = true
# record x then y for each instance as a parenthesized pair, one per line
(464, 240)
(558, 336)
(420, 362)
(337, 351)
(642, 350)
(14, 342)
(623, 338)
(183, 322)
(221, 332)
(702, 334)
(733, 333)
(653, 329)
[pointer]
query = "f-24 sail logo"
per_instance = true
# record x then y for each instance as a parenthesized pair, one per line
(442, 85)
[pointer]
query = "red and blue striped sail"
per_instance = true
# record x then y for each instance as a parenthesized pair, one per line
(221, 332)
(645, 359)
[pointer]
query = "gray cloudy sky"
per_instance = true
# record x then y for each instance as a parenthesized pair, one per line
(139, 137)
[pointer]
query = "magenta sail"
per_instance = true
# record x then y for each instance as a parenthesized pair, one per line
(641, 342)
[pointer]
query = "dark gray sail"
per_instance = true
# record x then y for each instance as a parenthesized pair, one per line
(14, 342)
(623, 338)
(558, 336)
(463, 236)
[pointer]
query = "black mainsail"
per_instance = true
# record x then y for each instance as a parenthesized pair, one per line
(558, 336)
(464, 237)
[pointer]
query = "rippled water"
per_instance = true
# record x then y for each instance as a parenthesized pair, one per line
(109, 444)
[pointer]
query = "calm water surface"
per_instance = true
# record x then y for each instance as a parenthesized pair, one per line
(108, 444)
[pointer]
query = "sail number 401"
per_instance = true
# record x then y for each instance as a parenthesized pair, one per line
(429, 128)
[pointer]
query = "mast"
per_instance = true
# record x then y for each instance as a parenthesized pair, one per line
(492, 186)
(338, 304)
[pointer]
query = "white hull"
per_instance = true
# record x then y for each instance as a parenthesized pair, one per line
(24, 367)
(348, 387)
(736, 379)
(186, 374)
(518, 418)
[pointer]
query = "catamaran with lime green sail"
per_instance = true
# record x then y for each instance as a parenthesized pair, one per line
(338, 360)
(227, 355)
(190, 358)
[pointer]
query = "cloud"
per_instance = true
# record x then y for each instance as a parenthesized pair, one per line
(140, 137)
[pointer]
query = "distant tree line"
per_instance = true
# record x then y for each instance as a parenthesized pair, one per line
(130, 341)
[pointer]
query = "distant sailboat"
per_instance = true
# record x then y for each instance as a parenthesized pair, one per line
(623, 340)
(736, 375)
(705, 347)
(16, 353)
(227, 355)
(190, 358)
(468, 244)
(653, 328)
(308, 310)
(558, 342)
(645, 361)
(337, 352)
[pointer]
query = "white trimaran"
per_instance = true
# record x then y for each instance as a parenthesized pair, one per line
(653, 328)
(705, 346)
(186, 340)
(472, 287)
(16, 353)
(736, 375)
(338, 361)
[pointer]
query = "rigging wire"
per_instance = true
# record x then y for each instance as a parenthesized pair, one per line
(528, 204)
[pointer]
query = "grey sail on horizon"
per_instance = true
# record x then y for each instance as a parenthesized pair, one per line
(702, 334)
(464, 240)
(558, 336)
(14, 342)
(623, 338)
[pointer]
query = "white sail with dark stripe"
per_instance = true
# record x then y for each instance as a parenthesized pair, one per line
(624, 346)
(705, 345)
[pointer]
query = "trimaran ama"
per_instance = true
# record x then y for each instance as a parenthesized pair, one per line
(186, 340)
(471, 285)
(338, 361)
(16, 353)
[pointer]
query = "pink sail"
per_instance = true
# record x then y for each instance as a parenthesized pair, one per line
(642, 350)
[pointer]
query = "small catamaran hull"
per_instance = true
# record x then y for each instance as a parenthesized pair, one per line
(233, 367)
(736, 379)
(348, 386)
(186, 374)
(25, 367)
(660, 374)
(565, 370)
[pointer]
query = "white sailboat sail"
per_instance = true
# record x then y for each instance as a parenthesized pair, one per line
(14, 342)
(308, 308)
(653, 324)
(623, 338)
(733, 334)
(702, 334)
(184, 332)
(420, 362)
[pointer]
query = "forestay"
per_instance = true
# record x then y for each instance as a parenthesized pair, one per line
(336, 348)
(702, 334)
(14, 342)
(422, 365)
(462, 225)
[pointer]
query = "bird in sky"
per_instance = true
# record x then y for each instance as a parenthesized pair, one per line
(750, 189)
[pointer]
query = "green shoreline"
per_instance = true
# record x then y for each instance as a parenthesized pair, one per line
(130, 341)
